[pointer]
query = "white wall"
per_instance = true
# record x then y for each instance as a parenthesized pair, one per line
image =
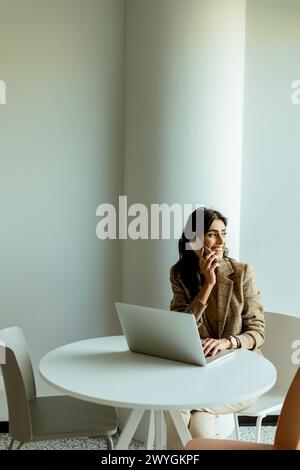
(270, 222)
(61, 145)
(60, 156)
(183, 123)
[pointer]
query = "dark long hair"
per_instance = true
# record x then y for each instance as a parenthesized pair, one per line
(188, 264)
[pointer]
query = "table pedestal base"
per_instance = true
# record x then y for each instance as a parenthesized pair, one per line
(155, 431)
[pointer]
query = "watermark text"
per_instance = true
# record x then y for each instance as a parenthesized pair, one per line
(159, 221)
(295, 358)
(295, 96)
(2, 92)
(2, 353)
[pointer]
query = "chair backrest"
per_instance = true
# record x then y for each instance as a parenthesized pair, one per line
(281, 332)
(288, 427)
(19, 383)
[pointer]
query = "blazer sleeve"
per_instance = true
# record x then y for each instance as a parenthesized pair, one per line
(181, 301)
(253, 322)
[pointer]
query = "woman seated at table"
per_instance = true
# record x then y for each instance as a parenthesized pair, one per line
(221, 293)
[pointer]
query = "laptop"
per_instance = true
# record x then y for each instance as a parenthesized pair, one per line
(163, 333)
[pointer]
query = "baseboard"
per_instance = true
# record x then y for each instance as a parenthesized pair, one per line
(270, 420)
(3, 426)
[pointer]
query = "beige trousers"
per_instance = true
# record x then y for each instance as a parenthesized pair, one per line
(201, 423)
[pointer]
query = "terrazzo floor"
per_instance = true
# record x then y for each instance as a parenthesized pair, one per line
(247, 434)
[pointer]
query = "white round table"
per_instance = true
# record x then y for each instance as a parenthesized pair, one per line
(103, 370)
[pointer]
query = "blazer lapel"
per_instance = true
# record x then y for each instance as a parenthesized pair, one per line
(224, 292)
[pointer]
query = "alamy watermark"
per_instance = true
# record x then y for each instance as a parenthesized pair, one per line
(295, 96)
(295, 358)
(2, 92)
(159, 221)
(2, 352)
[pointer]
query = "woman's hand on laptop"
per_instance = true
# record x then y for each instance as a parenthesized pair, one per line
(211, 346)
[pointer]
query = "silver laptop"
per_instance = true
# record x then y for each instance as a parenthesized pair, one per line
(164, 333)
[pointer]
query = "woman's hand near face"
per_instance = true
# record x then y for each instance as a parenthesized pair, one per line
(211, 346)
(207, 264)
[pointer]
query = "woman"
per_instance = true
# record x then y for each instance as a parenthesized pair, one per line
(221, 293)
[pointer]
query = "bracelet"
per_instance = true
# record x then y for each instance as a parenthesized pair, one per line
(239, 344)
(233, 341)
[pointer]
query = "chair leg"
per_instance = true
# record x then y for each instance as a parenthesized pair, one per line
(237, 426)
(11, 444)
(19, 445)
(109, 442)
(151, 431)
(258, 427)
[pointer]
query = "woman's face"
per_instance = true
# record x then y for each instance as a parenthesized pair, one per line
(215, 237)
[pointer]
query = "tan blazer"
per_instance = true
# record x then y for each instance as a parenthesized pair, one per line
(240, 311)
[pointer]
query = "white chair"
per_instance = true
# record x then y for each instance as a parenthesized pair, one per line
(287, 434)
(281, 331)
(33, 418)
